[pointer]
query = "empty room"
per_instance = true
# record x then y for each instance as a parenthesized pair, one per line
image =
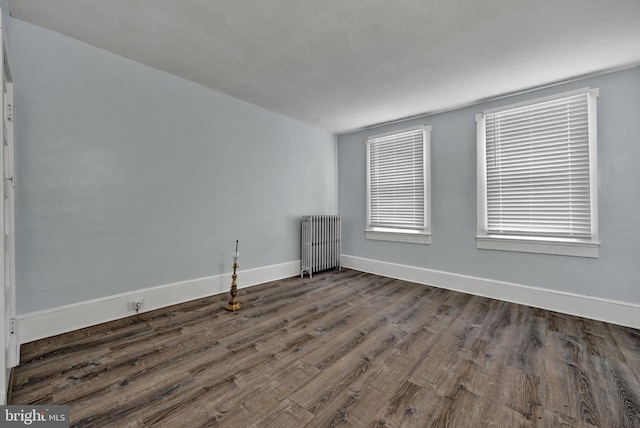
(303, 213)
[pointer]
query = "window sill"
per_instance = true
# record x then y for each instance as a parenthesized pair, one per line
(398, 235)
(562, 247)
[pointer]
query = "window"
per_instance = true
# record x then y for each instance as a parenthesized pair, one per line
(398, 186)
(537, 177)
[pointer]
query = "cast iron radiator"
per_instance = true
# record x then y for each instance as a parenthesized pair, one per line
(320, 249)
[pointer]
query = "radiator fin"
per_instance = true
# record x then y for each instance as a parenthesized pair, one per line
(320, 249)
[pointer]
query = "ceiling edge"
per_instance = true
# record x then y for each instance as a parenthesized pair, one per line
(496, 97)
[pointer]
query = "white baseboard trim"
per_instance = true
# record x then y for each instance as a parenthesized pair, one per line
(611, 311)
(50, 322)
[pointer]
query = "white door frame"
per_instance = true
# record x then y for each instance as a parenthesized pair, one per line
(9, 355)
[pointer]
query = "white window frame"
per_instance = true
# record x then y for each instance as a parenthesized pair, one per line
(417, 236)
(579, 247)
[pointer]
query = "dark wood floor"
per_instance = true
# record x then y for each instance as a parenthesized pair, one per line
(341, 349)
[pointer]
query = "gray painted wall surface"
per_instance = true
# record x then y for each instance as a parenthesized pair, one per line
(614, 275)
(129, 178)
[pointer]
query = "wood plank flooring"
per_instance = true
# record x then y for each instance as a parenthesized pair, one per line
(342, 349)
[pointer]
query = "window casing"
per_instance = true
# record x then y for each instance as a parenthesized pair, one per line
(398, 180)
(537, 176)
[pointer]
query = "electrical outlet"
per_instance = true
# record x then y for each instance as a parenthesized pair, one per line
(135, 305)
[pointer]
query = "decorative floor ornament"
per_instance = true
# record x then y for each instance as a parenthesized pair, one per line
(234, 304)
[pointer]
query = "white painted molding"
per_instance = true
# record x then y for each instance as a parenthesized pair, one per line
(557, 247)
(50, 322)
(395, 236)
(611, 311)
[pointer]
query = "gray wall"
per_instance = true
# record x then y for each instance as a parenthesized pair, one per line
(614, 275)
(129, 178)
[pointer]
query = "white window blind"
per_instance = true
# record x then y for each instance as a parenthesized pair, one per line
(538, 172)
(397, 180)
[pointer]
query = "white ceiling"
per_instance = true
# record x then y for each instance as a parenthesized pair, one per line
(347, 64)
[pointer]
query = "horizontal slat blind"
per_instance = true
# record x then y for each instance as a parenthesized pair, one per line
(397, 180)
(537, 163)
